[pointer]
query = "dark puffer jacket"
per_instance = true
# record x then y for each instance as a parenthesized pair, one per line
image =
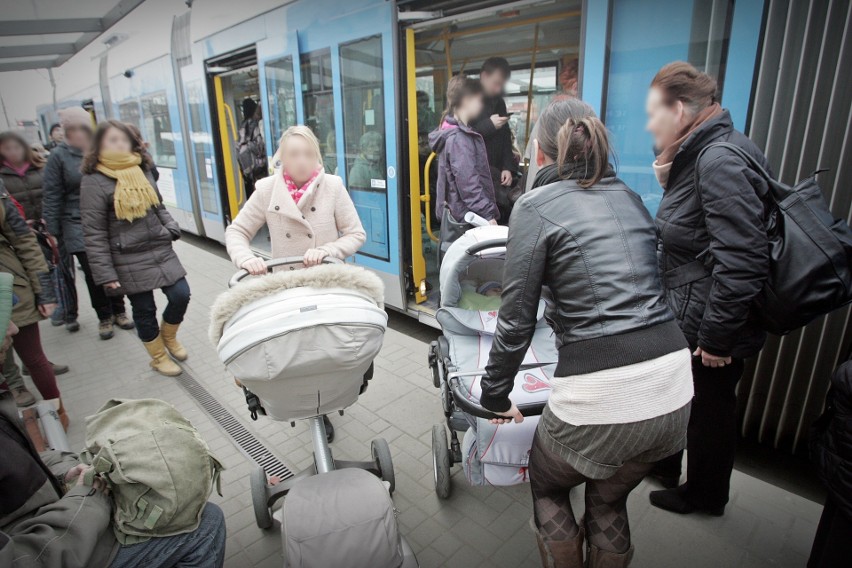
(714, 251)
(595, 249)
(137, 254)
(26, 189)
(831, 440)
(464, 179)
(61, 198)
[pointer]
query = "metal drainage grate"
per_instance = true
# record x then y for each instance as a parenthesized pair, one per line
(245, 440)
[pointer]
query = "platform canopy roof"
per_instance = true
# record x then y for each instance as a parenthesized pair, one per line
(39, 34)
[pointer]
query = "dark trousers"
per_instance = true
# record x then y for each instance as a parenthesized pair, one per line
(145, 309)
(712, 436)
(27, 345)
(832, 545)
(105, 306)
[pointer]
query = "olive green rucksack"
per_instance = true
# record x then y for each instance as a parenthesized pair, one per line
(158, 468)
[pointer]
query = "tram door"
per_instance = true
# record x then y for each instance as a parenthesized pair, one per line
(237, 117)
(541, 44)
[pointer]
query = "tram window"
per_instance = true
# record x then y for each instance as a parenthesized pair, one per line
(281, 94)
(157, 129)
(363, 114)
(202, 146)
(319, 103)
(129, 112)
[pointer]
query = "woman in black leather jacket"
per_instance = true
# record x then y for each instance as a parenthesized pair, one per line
(714, 258)
(622, 387)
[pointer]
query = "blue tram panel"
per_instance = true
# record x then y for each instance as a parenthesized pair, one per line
(372, 209)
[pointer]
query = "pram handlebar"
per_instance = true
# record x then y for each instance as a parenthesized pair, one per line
(466, 405)
(272, 263)
(485, 245)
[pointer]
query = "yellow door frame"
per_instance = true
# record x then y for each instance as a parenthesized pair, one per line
(418, 262)
(233, 179)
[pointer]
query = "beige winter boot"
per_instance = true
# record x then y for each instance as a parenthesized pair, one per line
(599, 558)
(560, 553)
(160, 360)
(168, 331)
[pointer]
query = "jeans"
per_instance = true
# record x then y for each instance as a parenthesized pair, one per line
(711, 440)
(145, 309)
(105, 306)
(202, 548)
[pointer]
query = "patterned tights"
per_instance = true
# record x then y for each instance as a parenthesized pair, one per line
(551, 480)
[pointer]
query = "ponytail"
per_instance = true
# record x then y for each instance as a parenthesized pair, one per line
(585, 141)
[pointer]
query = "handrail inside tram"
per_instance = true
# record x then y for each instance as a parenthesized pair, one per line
(426, 198)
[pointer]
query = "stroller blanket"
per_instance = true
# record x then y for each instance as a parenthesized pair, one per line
(497, 455)
(302, 340)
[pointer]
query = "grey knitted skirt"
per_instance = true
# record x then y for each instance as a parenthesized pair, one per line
(597, 451)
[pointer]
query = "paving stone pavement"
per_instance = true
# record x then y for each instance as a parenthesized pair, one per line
(477, 527)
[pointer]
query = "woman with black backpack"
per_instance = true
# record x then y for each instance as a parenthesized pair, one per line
(714, 257)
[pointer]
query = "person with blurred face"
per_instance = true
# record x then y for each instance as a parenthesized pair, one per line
(308, 212)
(714, 257)
(21, 170)
(464, 179)
(120, 203)
(61, 211)
(492, 124)
(569, 75)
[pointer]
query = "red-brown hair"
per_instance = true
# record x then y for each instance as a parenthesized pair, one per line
(680, 81)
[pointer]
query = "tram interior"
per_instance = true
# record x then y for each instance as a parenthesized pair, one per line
(541, 44)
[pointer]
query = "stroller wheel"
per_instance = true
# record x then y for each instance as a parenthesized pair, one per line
(384, 462)
(441, 461)
(262, 514)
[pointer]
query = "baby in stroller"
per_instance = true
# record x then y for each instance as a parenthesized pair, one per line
(471, 274)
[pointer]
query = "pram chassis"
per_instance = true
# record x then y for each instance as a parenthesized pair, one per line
(264, 496)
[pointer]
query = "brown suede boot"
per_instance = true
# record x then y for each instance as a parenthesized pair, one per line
(160, 360)
(604, 559)
(168, 331)
(560, 553)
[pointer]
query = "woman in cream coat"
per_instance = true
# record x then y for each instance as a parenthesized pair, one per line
(309, 212)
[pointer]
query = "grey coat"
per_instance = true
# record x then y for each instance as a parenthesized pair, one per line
(137, 254)
(61, 197)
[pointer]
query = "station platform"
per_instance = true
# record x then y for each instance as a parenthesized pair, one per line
(765, 526)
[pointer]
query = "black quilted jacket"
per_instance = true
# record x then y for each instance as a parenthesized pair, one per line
(713, 248)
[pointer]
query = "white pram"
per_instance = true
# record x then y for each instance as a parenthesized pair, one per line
(302, 343)
(490, 454)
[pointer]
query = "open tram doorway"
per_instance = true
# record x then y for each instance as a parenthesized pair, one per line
(234, 87)
(541, 42)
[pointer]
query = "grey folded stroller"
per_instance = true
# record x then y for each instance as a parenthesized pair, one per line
(302, 343)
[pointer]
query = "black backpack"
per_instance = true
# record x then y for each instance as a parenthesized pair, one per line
(810, 253)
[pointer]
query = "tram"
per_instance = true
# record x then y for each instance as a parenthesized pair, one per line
(369, 76)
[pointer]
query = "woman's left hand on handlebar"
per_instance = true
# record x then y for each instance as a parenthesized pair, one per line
(511, 415)
(314, 257)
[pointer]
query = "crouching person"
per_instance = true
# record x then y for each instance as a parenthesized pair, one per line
(50, 518)
(129, 234)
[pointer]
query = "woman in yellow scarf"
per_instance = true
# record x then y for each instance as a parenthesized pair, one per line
(128, 234)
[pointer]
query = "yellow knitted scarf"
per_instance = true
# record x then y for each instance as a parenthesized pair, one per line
(134, 194)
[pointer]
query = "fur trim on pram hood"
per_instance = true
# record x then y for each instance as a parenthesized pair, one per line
(322, 276)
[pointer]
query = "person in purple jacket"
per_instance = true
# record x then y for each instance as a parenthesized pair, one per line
(464, 178)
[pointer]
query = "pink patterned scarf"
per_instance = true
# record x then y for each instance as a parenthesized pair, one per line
(297, 192)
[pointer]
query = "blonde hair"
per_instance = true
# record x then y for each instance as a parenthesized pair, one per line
(303, 132)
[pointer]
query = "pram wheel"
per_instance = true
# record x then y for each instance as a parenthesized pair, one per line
(384, 462)
(262, 514)
(441, 461)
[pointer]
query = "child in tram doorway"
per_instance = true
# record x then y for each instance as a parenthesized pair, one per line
(308, 211)
(128, 234)
(464, 179)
